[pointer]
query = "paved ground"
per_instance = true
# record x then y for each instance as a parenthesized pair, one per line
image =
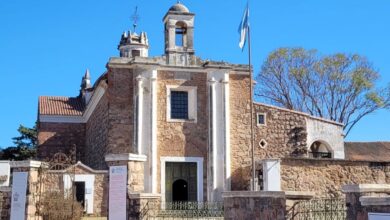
(94, 218)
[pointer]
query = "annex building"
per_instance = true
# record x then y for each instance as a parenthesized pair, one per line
(182, 127)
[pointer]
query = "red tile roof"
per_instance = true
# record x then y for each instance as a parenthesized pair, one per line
(56, 105)
(367, 151)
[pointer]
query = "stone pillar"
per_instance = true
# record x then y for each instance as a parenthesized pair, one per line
(363, 200)
(32, 169)
(143, 204)
(134, 183)
(254, 205)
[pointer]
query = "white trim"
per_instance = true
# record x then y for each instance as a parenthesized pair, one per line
(61, 119)
(80, 164)
(363, 188)
(140, 102)
(265, 119)
(253, 194)
(153, 86)
(199, 173)
(97, 95)
(375, 200)
(26, 164)
(125, 157)
(192, 102)
(226, 101)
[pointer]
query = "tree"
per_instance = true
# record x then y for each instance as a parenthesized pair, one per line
(25, 145)
(340, 87)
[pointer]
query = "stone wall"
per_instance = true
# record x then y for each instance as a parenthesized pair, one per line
(5, 202)
(285, 132)
(120, 94)
(254, 205)
(96, 135)
(188, 139)
(240, 131)
(60, 137)
(326, 177)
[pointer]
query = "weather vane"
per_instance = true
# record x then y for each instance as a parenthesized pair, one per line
(135, 18)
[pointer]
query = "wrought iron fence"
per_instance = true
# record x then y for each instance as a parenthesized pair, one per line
(183, 210)
(319, 209)
(320, 155)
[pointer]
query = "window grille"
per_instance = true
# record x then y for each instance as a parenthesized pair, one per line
(179, 104)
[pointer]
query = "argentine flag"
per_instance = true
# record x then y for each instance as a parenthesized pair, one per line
(243, 28)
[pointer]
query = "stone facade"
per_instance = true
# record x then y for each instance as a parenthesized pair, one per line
(5, 203)
(182, 139)
(60, 137)
(326, 177)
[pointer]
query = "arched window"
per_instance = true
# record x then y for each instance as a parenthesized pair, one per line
(319, 149)
(180, 190)
(180, 37)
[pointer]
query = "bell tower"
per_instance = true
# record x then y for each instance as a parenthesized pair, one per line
(179, 36)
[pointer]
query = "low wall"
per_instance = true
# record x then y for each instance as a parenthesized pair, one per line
(325, 177)
(254, 205)
(5, 202)
(367, 198)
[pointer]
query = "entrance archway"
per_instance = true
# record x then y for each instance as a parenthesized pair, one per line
(180, 190)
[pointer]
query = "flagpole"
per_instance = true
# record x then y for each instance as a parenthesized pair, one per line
(253, 187)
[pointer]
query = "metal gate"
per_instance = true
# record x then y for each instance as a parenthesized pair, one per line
(54, 201)
(318, 209)
(183, 210)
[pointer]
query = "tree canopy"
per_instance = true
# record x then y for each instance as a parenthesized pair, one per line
(340, 87)
(25, 145)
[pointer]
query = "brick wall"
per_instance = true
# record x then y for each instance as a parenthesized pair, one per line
(182, 138)
(96, 136)
(121, 111)
(326, 177)
(60, 137)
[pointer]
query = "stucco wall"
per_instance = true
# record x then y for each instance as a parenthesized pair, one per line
(329, 133)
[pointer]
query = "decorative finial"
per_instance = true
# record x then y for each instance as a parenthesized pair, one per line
(135, 18)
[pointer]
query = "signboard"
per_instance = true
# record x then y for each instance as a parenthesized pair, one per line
(18, 200)
(378, 216)
(117, 193)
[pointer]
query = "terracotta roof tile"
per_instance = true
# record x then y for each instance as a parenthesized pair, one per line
(57, 105)
(367, 151)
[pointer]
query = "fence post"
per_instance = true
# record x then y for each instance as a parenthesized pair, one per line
(30, 169)
(126, 176)
(363, 199)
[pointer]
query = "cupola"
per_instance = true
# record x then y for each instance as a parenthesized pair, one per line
(134, 45)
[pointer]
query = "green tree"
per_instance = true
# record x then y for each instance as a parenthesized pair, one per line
(25, 145)
(340, 87)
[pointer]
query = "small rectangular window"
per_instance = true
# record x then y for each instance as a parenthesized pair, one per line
(135, 53)
(261, 119)
(179, 104)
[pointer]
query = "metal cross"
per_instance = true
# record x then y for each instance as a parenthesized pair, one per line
(135, 17)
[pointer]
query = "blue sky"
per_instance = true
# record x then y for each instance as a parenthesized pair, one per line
(46, 45)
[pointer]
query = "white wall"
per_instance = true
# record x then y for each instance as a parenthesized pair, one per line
(5, 172)
(326, 132)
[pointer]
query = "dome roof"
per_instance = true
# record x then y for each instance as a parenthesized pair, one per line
(179, 7)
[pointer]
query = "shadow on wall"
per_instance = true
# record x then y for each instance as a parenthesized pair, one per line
(241, 178)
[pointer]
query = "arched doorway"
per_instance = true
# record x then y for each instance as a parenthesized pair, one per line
(319, 149)
(180, 190)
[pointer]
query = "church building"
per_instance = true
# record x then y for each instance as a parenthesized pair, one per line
(188, 121)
